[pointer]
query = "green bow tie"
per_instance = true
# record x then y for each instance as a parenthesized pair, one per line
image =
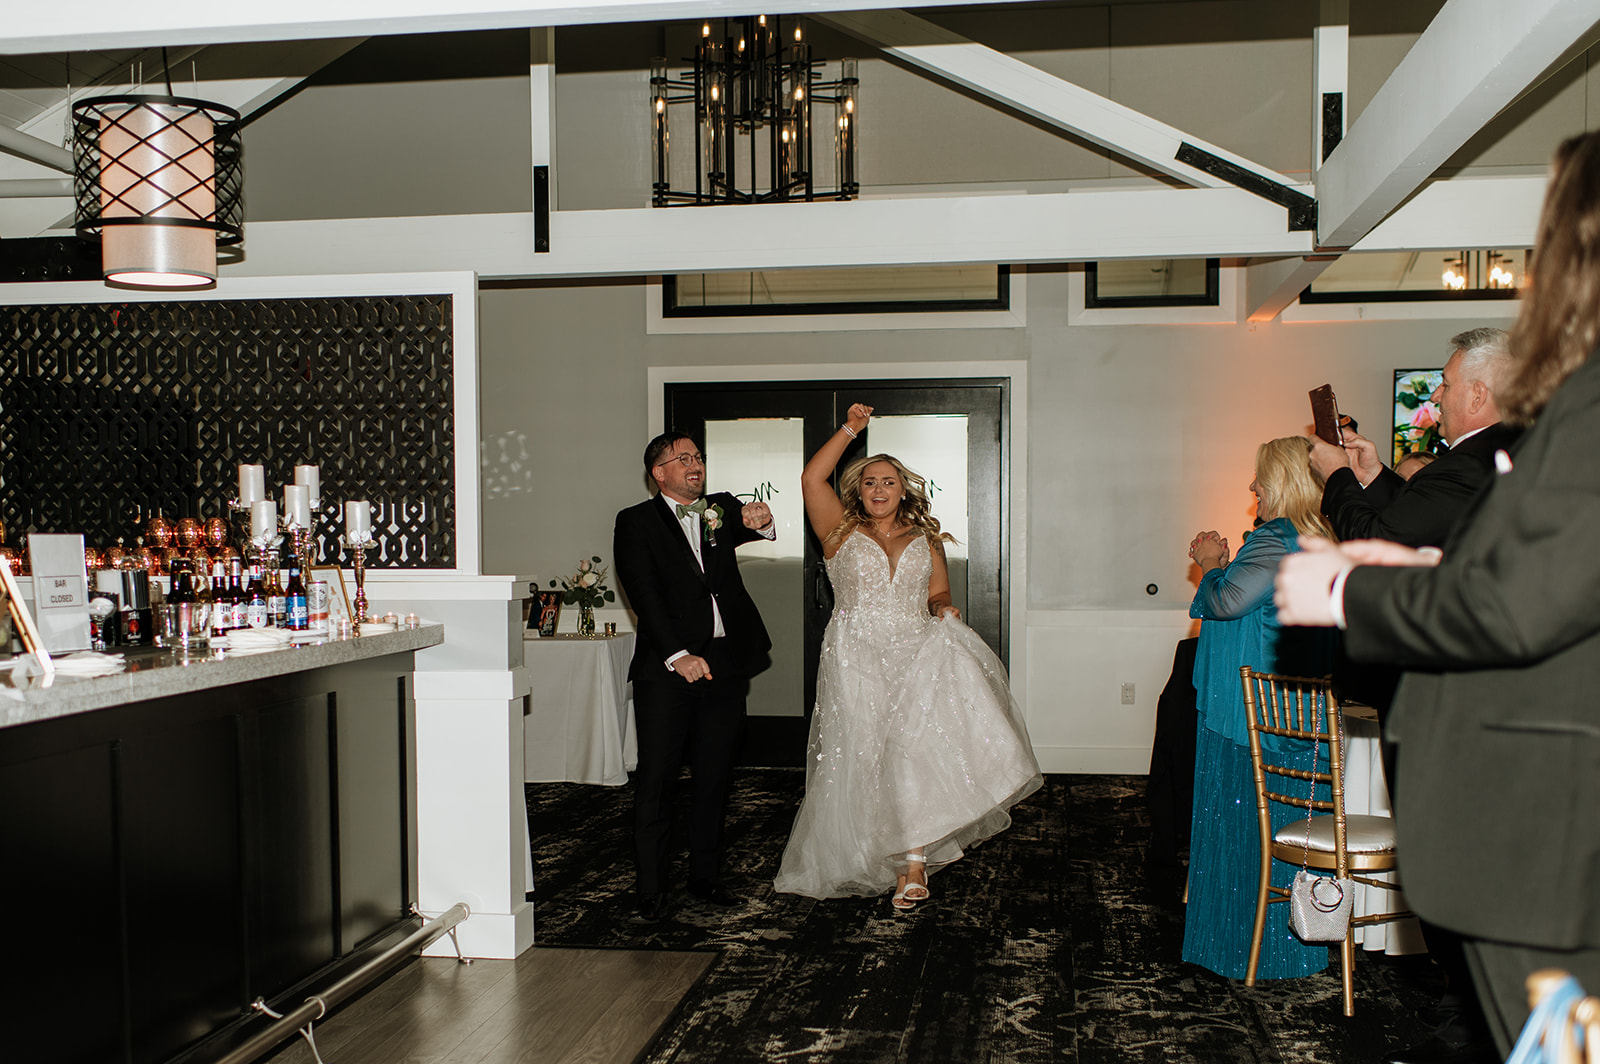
(696, 507)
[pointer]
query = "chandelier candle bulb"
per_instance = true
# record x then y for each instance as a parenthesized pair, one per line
(297, 505)
(263, 517)
(252, 484)
(311, 477)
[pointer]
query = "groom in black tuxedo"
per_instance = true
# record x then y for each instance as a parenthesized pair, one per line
(700, 639)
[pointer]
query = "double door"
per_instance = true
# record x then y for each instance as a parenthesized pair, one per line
(756, 440)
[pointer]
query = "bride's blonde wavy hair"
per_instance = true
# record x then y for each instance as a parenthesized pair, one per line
(914, 508)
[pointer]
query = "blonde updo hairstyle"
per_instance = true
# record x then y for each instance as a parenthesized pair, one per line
(1288, 487)
(914, 507)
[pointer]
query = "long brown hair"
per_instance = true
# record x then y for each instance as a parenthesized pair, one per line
(914, 508)
(1560, 320)
(1287, 486)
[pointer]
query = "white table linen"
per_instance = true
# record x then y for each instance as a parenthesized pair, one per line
(580, 726)
(1365, 791)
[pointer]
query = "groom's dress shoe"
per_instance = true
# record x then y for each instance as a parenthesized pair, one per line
(1437, 1051)
(653, 908)
(713, 894)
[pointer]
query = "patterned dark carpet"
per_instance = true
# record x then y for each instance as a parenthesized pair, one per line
(1044, 944)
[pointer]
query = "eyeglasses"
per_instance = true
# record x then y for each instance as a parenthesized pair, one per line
(684, 459)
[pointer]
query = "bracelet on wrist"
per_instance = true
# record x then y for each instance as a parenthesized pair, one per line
(848, 431)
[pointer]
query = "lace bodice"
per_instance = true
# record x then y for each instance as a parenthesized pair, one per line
(865, 591)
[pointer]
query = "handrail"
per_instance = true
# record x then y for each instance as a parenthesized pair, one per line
(318, 1005)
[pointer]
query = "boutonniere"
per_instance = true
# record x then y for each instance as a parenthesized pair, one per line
(711, 520)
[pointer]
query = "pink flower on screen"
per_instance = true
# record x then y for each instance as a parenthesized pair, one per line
(1426, 416)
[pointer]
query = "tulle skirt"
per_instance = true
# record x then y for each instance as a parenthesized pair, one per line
(915, 743)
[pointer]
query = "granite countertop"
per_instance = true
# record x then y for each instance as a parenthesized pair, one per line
(155, 672)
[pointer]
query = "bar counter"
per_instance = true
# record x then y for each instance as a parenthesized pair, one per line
(156, 672)
(201, 831)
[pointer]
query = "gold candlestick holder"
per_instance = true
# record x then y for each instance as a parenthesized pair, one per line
(301, 538)
(358, 550)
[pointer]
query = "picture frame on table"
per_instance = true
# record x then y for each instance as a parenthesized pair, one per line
(1416, 417)
(544, 613)
(32, 641)
(338, 595)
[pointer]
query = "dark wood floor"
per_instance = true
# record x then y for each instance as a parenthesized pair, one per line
(549, 1006)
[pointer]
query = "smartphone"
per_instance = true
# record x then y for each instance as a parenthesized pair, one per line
(1325, 415)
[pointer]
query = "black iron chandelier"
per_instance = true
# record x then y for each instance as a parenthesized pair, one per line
(756, 94)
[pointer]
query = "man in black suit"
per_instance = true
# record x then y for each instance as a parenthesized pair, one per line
(1364, 499)
(700, 639)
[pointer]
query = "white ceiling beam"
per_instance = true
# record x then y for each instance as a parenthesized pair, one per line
(1271, 285)
(1193, 223)
(542, 90)
(108, 24)
(1330, 76)
(1474, 59)
(1465, 212)
(31, 149)
(1034, 92)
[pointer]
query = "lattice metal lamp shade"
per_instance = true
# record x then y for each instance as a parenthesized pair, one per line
(159, 180)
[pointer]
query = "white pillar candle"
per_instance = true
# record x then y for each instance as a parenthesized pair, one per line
(252, 484)
(358, 521)
(297, 505)
(311, 477)
(263, 517)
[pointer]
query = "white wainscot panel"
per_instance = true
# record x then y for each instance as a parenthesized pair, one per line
(1078, 661)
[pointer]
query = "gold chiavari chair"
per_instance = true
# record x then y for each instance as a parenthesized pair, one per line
(1324, 839)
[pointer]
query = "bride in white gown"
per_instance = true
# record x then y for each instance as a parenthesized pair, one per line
(916, 747)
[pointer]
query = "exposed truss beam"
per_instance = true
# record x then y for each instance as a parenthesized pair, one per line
(1474, 59)
(1032, 91)
(1014, 229)
(107, 24)
(542, 92)
(1330, 77)
(23, 146)
(1270, 285)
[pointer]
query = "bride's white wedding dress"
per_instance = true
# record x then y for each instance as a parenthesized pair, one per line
(915, 741)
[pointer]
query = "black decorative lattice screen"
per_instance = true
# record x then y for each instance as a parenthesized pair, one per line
(113, 413)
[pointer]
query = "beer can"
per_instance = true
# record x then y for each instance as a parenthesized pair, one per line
(317, 600)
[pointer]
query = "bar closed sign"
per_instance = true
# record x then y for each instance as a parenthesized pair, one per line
(60, 591)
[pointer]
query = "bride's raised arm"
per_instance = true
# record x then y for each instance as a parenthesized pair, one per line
(823, 508)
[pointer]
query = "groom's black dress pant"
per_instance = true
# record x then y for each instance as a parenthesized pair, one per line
(700, 724)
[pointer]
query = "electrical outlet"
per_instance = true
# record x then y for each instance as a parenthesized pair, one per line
(1127, 694)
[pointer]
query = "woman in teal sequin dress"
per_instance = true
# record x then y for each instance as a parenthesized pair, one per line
(1240, 627)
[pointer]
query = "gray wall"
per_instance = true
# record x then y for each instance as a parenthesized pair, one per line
(1139, 435)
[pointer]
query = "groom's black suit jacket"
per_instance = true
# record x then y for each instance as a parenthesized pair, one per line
(672, 597)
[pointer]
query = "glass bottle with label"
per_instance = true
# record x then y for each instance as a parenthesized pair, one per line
(222, 603)
(277, 609)
(255, 609)
(295, 596)
(236, 600)
(205, 602)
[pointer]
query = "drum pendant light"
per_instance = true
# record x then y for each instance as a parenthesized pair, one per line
(158, 179)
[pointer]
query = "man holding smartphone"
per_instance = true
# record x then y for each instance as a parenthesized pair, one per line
(1364, 499)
